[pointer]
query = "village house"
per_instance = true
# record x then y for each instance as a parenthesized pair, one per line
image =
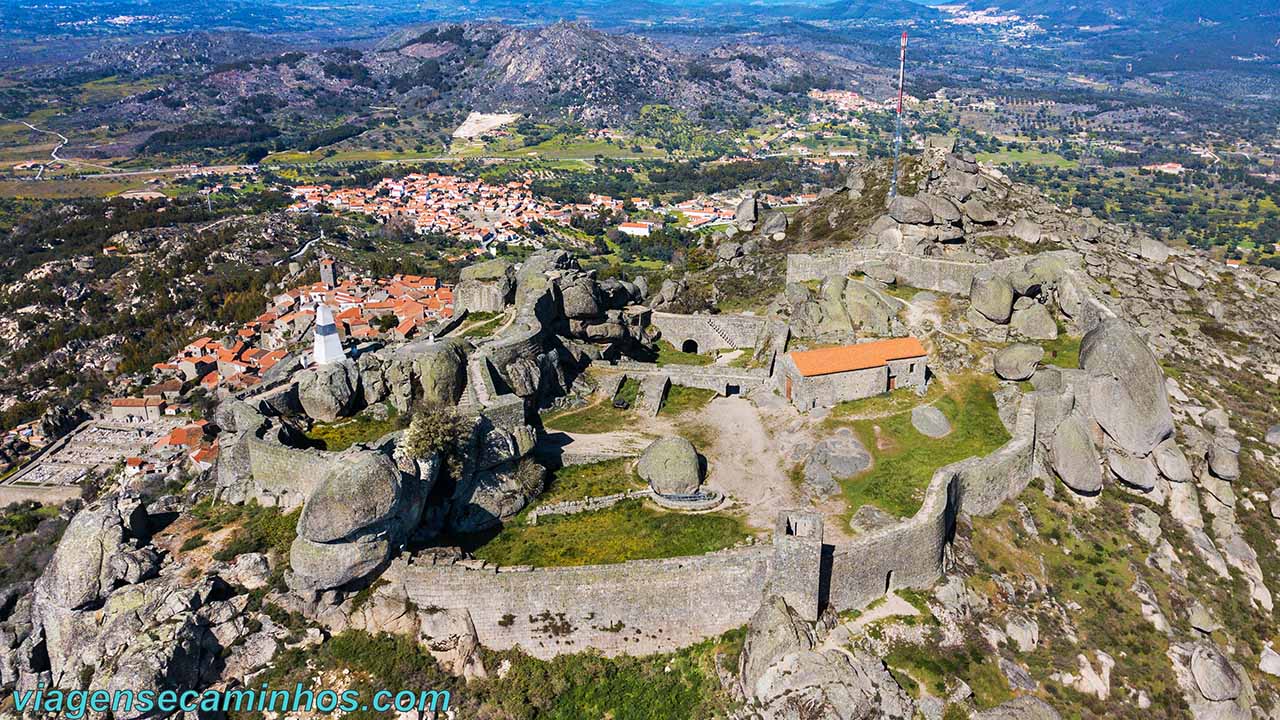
(826, 377)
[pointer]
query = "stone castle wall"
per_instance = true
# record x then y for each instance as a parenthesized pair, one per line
(909, 554)
(637, 608)
(649, 606)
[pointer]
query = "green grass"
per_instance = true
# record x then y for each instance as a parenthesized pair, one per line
(599, 417)
(1027, 157)
(627, 531)
(935, 669)
(905, 464)
(362, 428)
(483, 329)
(681, 399)
(1063, 352)
(594, 480)
(24, 518)
(669, 355)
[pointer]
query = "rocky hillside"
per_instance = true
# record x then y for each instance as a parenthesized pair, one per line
(561, 71)
(1132, 576)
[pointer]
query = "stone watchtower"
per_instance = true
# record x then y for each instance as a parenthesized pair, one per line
(796, 575)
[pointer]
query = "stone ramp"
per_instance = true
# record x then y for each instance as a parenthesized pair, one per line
(653, 390)
(477, 394)
(610, 386)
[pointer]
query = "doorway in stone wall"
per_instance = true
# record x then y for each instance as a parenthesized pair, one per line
(888, 582)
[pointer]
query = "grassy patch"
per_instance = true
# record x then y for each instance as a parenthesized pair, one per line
(669, 355)
(905, 460)
(900, 400)
(682, 685)
(1063, 352)
(482, 324)
(582, 481)
(599, 417)
(627, 531)
(681, 399)
(971, 663)
(22, 518)
(677, 686)
(262, 529)
(364, 427)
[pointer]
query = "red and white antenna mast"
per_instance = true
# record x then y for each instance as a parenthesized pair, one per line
(897, 135)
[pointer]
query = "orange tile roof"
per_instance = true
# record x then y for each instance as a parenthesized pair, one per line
(827, 361)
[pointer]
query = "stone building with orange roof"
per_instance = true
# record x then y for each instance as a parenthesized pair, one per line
(829, 376)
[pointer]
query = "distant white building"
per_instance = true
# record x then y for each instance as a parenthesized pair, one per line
(328, 344)
(636, 229)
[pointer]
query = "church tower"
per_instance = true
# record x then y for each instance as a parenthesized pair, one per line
(328, 345)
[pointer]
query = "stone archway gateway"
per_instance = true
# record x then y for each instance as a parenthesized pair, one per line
(689, 346)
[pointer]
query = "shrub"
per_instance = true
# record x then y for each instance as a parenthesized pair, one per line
(436, 429)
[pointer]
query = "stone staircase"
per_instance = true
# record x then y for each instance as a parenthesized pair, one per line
(653, 391)
(721, 333)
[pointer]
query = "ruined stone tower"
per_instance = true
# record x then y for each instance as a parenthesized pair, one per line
(796, 574)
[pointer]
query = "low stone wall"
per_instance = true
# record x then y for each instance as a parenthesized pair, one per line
(707, 377)
(45, 495)
(573, 507)
(636, 608)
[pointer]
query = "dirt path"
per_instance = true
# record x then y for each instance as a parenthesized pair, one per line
(747, 464)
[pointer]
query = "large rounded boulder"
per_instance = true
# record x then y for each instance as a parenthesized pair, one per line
(1126, 387)
(327, 392)
(1074, 457)
(1018, 362)
(361, 489)
(671, 466)
(992, 296)
(910, 211)
(441, 371)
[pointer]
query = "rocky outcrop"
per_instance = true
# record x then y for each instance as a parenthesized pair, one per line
(930, 421)
(910, 211)
(671, 466)
(1023, 708)
(363, 509)
(992, 296)
(785, 677)
(497, 480)
(744, 217)
(842, 307)
(839, 456)
(485, 287)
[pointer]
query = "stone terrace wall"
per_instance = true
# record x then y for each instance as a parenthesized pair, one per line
(909, 554)
(938, 274)
(711, 332)
(635, 608)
